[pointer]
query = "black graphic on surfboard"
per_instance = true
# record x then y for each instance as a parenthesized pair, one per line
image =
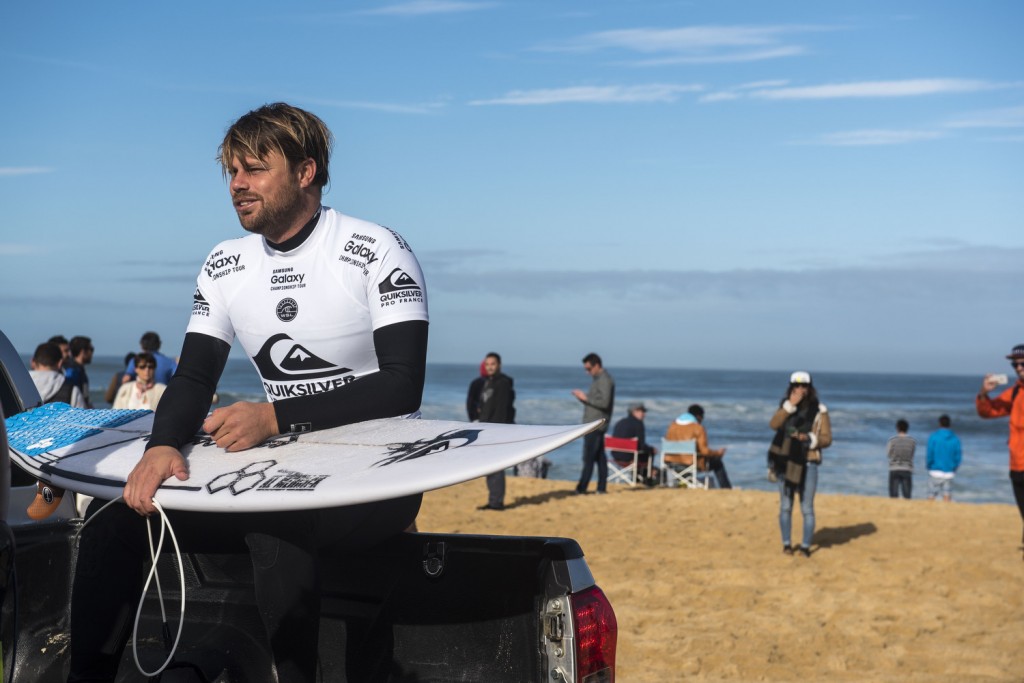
(240, 481)
(399, 452)
(254, 476)
(282, 359)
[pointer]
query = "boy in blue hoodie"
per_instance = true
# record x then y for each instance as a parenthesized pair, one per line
(944, 455)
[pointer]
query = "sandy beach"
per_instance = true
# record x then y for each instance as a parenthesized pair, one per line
(894, 590)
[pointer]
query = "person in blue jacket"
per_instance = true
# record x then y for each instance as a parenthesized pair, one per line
(944, 456)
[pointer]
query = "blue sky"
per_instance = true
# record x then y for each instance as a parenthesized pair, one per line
(772, 185)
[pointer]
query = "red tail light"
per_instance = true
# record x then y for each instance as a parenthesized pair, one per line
(596, 632)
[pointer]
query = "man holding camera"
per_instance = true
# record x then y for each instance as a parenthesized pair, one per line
(1009, 403)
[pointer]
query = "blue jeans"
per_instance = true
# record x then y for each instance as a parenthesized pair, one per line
(901, 482)
(786, 494)
(593, 454)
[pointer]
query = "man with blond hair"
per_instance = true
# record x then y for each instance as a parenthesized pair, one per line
(332, 312)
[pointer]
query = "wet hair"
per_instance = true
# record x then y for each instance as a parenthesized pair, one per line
(944, 421)
(48, 355)
(293, 133)
(592, 359)
(902, 426)
(150, 341)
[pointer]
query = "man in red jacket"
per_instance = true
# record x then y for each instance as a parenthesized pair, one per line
(1009, 403)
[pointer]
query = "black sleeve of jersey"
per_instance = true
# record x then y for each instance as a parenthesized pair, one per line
(186, 401)
(396, 389)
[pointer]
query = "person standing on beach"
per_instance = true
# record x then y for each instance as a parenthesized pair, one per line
(943, 459)
(1007, 403)
(497, 405)
(332, 312)
(65, 346)
(597, 405)
(165, 365)
(901, 461)
(81, 350)
(48, 376)
(144, 393)
(802, 429)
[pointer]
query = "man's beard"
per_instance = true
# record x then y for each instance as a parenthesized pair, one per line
(274, 218)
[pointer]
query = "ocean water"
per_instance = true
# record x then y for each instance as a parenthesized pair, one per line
(738, 404)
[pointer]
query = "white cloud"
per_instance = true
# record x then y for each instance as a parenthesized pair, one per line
(757, 85)
(730, 58)
(422, 7)
(24, 170)
(736, 92)
(877, 137)
(723, 96)
(1007, 117)
(901, 88)
(612, 94)
(686, 39)
(923, 272)
(693, 44)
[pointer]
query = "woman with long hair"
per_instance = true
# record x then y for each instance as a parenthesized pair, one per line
(802, 430)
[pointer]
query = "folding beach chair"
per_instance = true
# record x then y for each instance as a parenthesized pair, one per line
(687, 473)
(625, 448)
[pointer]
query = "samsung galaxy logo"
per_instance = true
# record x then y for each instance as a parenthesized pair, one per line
(362, 251)
(218, 262)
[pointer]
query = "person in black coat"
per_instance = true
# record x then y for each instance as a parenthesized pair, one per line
(497, 404)
(632, 427)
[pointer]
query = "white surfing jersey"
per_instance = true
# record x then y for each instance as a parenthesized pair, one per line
(306, 317)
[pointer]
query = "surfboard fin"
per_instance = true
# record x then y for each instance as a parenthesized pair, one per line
(46, 502)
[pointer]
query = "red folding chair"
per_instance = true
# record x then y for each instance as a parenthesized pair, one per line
(618, 470)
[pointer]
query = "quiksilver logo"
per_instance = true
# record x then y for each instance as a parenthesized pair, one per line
(397, 280)
(200, 306)
(282, 359)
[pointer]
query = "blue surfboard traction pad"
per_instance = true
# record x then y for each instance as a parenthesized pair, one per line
(56, 425)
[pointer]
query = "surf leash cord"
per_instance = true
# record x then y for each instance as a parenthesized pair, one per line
(154, 554)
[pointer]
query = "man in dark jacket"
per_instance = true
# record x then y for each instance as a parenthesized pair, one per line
(497, 404)
(632, 427)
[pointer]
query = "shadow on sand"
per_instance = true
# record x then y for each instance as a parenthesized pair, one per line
(830, 536)
(542, 497)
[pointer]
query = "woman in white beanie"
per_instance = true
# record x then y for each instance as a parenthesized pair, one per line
(802, 430)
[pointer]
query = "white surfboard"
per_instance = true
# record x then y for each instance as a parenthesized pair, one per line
(93, 451)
